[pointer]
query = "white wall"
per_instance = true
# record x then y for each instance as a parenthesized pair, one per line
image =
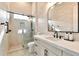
(21, 7)
(75, 17)
(4, 5)
(41, 16)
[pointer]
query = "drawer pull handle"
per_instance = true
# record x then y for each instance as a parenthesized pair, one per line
(35, 53)
(45, 52)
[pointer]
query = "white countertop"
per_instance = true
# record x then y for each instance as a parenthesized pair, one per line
(62, 44)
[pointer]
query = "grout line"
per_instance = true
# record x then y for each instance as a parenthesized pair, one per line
(14, 50)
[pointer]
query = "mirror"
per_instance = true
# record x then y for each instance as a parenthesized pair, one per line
(63, 17)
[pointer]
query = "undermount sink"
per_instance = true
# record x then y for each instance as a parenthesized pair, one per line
(52, 38)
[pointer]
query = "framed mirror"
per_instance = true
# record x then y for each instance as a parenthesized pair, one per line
(63, 17)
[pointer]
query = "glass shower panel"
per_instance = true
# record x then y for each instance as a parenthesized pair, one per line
(3, 37)
(23, 25)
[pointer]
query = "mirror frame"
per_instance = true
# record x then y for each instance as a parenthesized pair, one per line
(62, 31)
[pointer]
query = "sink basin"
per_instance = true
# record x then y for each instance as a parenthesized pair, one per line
(52, 38)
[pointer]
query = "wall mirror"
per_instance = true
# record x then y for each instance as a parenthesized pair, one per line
(63, 17)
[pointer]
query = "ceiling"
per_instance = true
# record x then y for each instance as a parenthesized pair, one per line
(18, 7)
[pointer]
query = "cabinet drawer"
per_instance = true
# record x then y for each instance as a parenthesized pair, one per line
(39, 49)
(53, 49)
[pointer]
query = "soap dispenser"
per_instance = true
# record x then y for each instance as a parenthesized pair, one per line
(71, 36)
(66, 36)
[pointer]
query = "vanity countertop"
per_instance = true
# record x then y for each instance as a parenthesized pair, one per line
(69, 46)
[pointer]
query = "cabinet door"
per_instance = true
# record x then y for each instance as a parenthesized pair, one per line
(39, 49)
(65, 53)
(50, 47)
(37, 53)
(48, 53)
(47, 49)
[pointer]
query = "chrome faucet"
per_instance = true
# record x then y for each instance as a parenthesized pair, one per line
(55, 34)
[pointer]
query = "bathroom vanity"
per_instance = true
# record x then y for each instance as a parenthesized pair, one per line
(62, 18)
(46, 45)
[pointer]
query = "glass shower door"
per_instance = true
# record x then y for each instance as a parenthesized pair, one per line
(20, 31)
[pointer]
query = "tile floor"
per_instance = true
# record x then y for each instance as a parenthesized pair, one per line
(19, 52)
(16, 48)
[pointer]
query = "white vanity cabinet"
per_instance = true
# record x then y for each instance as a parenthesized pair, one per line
(45, 47)
(38, 48)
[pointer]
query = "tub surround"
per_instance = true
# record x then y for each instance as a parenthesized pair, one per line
(71, 47)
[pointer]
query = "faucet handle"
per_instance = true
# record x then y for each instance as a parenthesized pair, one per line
(55, 34)
(60, 37)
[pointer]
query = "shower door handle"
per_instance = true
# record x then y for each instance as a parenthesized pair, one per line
(8, 30)
(6, 24)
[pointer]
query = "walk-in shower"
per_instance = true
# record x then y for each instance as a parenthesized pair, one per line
(22, 28)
